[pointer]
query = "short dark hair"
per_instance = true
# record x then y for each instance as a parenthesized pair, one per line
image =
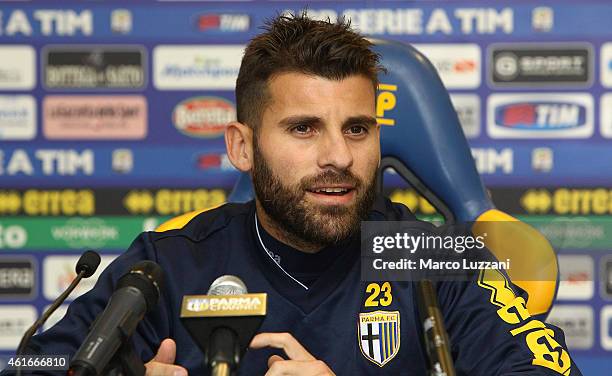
(296, 43)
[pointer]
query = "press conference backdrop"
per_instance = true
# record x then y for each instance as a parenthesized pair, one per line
(112, 115)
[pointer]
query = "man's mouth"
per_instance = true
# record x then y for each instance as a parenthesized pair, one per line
(332, 191)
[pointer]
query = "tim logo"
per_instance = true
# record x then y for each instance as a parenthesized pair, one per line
(540, 116)
(223, 22)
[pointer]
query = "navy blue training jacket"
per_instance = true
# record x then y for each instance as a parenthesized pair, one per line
(337, 319)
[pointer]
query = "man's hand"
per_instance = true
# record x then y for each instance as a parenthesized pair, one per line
(162, 363)
(300, 362)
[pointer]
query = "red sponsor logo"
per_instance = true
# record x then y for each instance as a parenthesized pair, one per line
(209, 21)
(203, 116)
(519, 114)
(206, 161)
(465, 65)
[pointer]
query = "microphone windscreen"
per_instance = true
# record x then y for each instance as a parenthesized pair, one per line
(147, 277)
(227, 285)
(88, 263)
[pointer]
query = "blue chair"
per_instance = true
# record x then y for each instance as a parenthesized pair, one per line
(422, 140)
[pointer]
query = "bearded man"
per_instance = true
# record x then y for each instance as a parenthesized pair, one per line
(307, 134)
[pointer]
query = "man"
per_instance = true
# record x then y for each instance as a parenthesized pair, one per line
(307, 134)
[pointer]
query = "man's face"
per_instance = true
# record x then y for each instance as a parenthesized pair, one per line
(315, 156)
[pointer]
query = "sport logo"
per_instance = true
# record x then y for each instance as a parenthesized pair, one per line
(223, 22)
(541, 65)
(540, 115)
(203, 116)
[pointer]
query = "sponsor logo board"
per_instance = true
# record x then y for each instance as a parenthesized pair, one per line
(18, 72)
(108, 233)
(121, 21)
(172, 201)
(17, 277)
(606, 327)
(605, 115)
(95, 117)
(12, 236)
(58, 273)
(203, 117)
(606, 64)
(542, 159)
(539, 65)
(459, 65)
(81, 233)
(48, 162)
(100, 202)
(577, 277)
(14, 321)
(562, 201)
(492, 160)
(17, 117)
(225, 22)
(122, 161)
(52, 202)
(540, 115)
(199, 67)
(577, 322)
(467, 107)
(573, 232)
(542, 19)
(94, 67)
(208, 161)
(606, 277)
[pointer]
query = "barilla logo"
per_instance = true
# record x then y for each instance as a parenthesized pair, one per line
(541, 116)
(204, 117)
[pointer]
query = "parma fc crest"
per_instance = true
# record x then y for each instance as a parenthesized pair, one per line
(379, 335)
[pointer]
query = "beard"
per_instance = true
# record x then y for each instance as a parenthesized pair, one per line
(304, 221)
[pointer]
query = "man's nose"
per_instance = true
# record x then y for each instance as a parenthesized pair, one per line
(334, 151)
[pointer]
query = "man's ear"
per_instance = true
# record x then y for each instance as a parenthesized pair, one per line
(239, 145)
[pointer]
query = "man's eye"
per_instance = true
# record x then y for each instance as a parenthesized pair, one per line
(302, 129)
(357, 130)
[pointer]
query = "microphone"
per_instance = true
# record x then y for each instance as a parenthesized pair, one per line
(136, 294)
(223, 322)
(85, 268)
(437, 344)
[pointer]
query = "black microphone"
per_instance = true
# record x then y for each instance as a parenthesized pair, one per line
(437, 344)
(136, 294)
(223, 322)
(85, 268)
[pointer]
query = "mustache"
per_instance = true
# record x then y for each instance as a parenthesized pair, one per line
(331, 177)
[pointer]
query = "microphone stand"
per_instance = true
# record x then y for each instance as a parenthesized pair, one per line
(125, 362)
(38, 323)
(436, 339)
